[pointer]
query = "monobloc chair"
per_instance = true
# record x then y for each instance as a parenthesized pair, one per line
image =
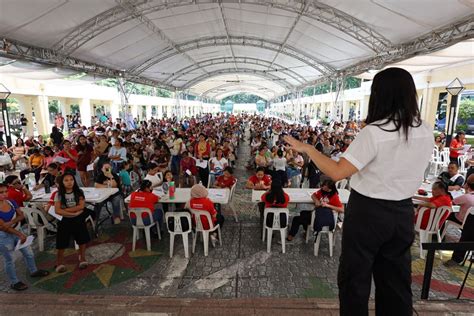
(145, 221)
(277, 225)
(433, 225)
(325, 230)
(205, 232)
(33, 216)
(178, 230)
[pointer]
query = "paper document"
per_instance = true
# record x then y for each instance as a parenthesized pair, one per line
(52, 212)
(60, 159)
(465, 149)
(188, 172)
(90, 167)
(28, 242)
(201, 164)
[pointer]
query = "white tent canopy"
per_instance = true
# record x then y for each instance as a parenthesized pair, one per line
(212, 48)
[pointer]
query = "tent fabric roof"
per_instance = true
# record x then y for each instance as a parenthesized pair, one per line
(214, 47)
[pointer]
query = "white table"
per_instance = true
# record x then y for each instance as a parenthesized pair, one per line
(183, 195)
(301, 195)
(92, 195)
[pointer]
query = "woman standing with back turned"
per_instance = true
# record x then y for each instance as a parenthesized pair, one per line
(387, 162)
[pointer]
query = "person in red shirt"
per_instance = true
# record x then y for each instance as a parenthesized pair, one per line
(69, 153)
(199, 201)
(326, 201)
(145, 198)
(440, 197)
(275, 197)
(260, 180)
(17, 191)
(456, 145)
(226, 180)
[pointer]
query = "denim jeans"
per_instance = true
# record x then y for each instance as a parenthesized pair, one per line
(175, 164)
(7, 245)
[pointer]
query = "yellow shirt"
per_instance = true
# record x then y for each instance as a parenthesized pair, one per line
(36, 160)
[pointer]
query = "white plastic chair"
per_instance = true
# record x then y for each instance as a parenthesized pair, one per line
(325, 230)
(231, 198)
(32, 216)
(445, 157)
(178, 230)
(455, 224)
(141, 225)
(205, 232)
(433, 225)
(276, 225)
(341, 184)
(436, 161)
(462, 164)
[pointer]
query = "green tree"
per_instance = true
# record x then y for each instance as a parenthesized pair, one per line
(466, 112)
(242, 98)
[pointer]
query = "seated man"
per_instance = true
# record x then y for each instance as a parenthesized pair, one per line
(452, 177)
(106, 178)
(154, 174)
(17, 191)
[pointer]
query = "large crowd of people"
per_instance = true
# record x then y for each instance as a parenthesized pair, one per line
(197, 153)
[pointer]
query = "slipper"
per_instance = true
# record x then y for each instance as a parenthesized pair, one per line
(61, 268)
(39, 274)
(83, 265)
(19, 286)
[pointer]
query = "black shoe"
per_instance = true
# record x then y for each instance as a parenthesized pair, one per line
(19, 286)
(39, 274)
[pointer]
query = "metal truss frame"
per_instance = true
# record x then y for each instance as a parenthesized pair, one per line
(247, 71)
(431, 42)
(313, 10)
(253, 87)
(235, 41)
(237, 60)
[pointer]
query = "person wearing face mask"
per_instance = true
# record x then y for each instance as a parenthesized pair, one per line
(106, 178)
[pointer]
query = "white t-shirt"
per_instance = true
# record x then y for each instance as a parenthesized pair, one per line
(155, 180)
(279, 163)
(390, 168)
(219, 163)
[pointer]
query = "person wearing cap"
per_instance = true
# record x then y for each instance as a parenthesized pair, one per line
(199, 201)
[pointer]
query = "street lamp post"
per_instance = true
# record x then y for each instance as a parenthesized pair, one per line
(454, 89)
(4, 94)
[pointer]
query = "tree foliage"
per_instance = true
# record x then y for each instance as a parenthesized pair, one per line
(135, 88)
(242, 98)
(349, 83)
(466, 112)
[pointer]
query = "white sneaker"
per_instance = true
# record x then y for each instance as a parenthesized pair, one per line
(213, 240)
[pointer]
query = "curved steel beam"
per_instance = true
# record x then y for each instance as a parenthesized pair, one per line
(314, 10)
(242, 60)
(226, 94)
(244, 71)
(227, 85)
(287, 50)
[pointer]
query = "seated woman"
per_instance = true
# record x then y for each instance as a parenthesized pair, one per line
(275, 197)
(200, 201)
(217, 164)
(145, 198)
(259, 181)
(326, 201)
(10, 217)
(50, 177)
(17, 191)
(19, 151)
(106, 178)
(226, 180)
(35, 165)
(440, 198)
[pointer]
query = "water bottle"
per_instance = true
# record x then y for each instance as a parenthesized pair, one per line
(172, 190)
(31, 180)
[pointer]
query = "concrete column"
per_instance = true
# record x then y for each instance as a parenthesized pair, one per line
(114, 110)
(148, 112)
(86, 111)
(345, 110)
(364, 107)
(26, 107)
(159, 111)
(40, 104)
